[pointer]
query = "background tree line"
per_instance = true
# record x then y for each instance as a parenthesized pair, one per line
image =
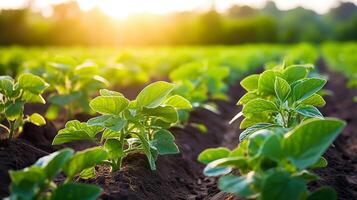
(68, 25)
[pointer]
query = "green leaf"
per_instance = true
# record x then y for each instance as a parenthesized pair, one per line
(65, 99)
(165, 113)
(32, 83)
(114, 149)
(309, 111)
(52, 112)
(280, 185)
(75, 130)
(224, 166)
(148, 151)
(37, 119)
(178, 102)
(30, 97)
(282, 89)
(313, 136)
(256, 141)
(14, 110)
(112, 122)
(6, 85)
(322, 162)
(254, 128)
(54, 162)
(164, 142)
(84, 159)
(111, 105)
(105, 92)
(314, 100)
(325, 193)
(247, 97)
(254, 119)
(87, 173)
(266, 82)
(76, 191)
(250, 83)
(240, 186)
(213, 154)
(153, 95)
(294, 73)
(258, 106)
(307, 88)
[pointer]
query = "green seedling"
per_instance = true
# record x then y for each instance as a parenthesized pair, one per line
(37, 181)
(13, 97)
(127, 127)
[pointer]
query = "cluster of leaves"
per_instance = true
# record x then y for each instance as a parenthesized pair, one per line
(73, 85)
(37, 181)
(199, 82)
(285, 136)
(13, 97)
(127, 127)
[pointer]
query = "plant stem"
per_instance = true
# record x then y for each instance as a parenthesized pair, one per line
(12, 129)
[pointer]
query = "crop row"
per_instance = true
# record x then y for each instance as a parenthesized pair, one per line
(123, 127)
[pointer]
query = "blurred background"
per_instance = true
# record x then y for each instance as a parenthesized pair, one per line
(175, 22)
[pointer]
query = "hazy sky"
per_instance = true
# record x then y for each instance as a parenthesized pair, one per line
(123, 8)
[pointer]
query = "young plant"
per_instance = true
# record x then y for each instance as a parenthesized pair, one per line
(13, 97)
(198, 83)
(37, 181)
(73, 85)
(129, 127)
(274, 163)
(281, 97)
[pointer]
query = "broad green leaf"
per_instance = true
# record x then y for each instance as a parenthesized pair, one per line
(224, 166)
(253, 129)
(37, 119)
(114, 148)
(322, 162)
(314, 100)
(76, 191)
(32, 83)
(65, 99)
(52, 112)
(178, 102)
(325, 193)
(111, 105)
(240, 186)
(105, 92)
(165, 113)
(14, 110)
(53, 163)
(266, 82)
(258, 106)
(248, 97)
(309, 111)
(6, 85)
(282, 89)
(213, 154)
(307, 88)
(272, 148)
(148, 151)
(294, 73)
(250, 83)
(84, 159)
(254, 119)
(75, 130)
(313, 136)
(153, 95)
(280, 185)
(256, 141)
(112, 122)
(164, 143)
(30, 97)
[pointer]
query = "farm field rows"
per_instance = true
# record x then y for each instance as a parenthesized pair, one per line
(164, 123)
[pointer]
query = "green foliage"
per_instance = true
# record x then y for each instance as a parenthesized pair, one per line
(13, 97)
(272, 160)
(282, 96)
(37, 181)
(285, 136)
(128, 126)
(72, 85)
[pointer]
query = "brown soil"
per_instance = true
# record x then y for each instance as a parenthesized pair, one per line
(180, 176)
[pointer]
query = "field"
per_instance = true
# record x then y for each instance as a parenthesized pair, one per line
(164, 122)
